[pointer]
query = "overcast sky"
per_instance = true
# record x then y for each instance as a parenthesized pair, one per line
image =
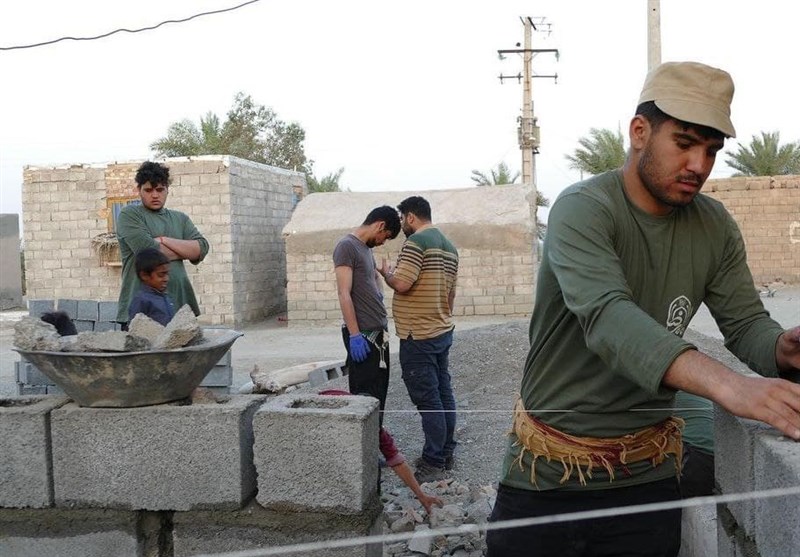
(404, 96)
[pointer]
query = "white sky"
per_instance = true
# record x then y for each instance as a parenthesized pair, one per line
(404, 96)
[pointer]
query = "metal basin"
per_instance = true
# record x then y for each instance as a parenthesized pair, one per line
(125, 379)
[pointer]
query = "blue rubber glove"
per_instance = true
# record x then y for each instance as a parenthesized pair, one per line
(359, 348)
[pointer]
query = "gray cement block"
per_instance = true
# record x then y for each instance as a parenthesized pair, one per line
(83, 326)
(87, 310)
(324, 374)
(30, 390)
(37, 307)
(226, 359)
(734, 440)
(26, 478)
(74, 533)
(699, 531)
(107, 311)
(777, 465)
(69, 306)
(104, 326)
(32, 375)
(317, 453)
(255, 528)
(219, 376)
(163, 457)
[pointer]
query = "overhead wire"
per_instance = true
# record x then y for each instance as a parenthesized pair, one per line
(123, 30)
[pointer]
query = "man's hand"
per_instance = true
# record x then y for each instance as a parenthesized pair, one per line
(359, 348)
(772, 401)
(787, 350)
(386, 269)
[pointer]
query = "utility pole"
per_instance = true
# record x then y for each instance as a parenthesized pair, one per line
(653, 33)
(528, 134)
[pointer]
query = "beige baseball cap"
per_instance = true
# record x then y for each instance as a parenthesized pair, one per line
(692, 92)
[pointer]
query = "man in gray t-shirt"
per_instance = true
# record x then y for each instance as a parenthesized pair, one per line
(361, 298)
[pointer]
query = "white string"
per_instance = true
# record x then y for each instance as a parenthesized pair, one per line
(515, 523)
(510, 411)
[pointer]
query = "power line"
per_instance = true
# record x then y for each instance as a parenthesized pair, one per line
(104, 35)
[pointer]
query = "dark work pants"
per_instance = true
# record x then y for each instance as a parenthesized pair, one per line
(697, 475)
(367, 377)
(654, 534)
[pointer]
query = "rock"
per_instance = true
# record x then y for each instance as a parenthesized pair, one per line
(110, 341)
(31, 333)
(447, 516)
(421, 540)
(144, 327)
(180, 331)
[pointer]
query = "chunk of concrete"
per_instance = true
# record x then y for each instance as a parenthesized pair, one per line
(31, 333)
(144, 327)
(110, 341)
(180, 331)
(26, 478)
(317, 453)
(162, 457)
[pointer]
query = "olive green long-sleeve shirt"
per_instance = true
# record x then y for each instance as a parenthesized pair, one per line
(137, 228)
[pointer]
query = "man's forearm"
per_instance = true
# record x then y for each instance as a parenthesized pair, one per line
(183, 249)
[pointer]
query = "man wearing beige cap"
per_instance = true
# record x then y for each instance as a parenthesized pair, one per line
(629, 257)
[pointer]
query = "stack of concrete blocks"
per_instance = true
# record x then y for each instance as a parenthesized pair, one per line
(178, 480)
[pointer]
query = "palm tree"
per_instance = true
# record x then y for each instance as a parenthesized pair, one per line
(601, 151)
(765, 156)
(499, 177)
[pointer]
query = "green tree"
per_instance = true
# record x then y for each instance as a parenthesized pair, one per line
(251, 131)
(498, 177)
(329, 182)
(502, 176)
(765, 156)
(601, 150)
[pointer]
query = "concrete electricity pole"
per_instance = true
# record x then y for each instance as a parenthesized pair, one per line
(527, 131)
(653, 33)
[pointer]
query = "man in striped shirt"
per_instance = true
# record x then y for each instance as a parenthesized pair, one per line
(424, 282)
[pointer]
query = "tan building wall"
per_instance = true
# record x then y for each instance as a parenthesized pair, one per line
(492, 228)
(767, 210)
(239, 206)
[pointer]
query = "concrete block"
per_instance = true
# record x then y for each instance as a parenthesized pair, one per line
(26, 478)
(110, 341)
(107, 311)
(83, 326)
(180, 331)
(777, 519)
(226, 359)
(734, 440)
(87, 310)
(145, 327)
(30, 390)
(32, 375)
(219, 376)
(254, 528)
(699, 531)
(104, 326)
(324, 374)
(163, 457)
(68, 306)
(37, 307)
(317, 453)
(31, 333)
(54, 390)
(76, 533)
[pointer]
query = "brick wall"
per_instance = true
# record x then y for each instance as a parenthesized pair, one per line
(239, 206)
(767, 210)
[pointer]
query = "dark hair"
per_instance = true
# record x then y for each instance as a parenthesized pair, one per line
(61, 321)
(656, 117)
(416, 205)
(389, 217)
(148, 259)
(155, 173)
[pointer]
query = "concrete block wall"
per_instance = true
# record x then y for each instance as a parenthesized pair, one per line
(173, 479)
(10, 270)
(64, 207)
(767, 210)
(751, 456)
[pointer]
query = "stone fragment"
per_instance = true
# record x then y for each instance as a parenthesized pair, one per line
(180, 331)
(144, 327)
(449, 515)
(31, 333)
(421, 540)
(110, 341)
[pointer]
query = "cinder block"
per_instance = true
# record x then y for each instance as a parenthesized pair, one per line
(76, 533)
(107, 311)
(69, 306)
(734, 439)
(87, 310)
(162, 457)
(324, 374)
(219, 376)
(32, 375)
(55, 390)
(25, 465)
(777, 465)
(104, 326)
(254, 528)
(225, 360)
(31, 390)
(331, 467)
(699, 531)
(83, 326)
(37, 307)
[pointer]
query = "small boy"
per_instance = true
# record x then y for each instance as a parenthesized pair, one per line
(152, 268)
